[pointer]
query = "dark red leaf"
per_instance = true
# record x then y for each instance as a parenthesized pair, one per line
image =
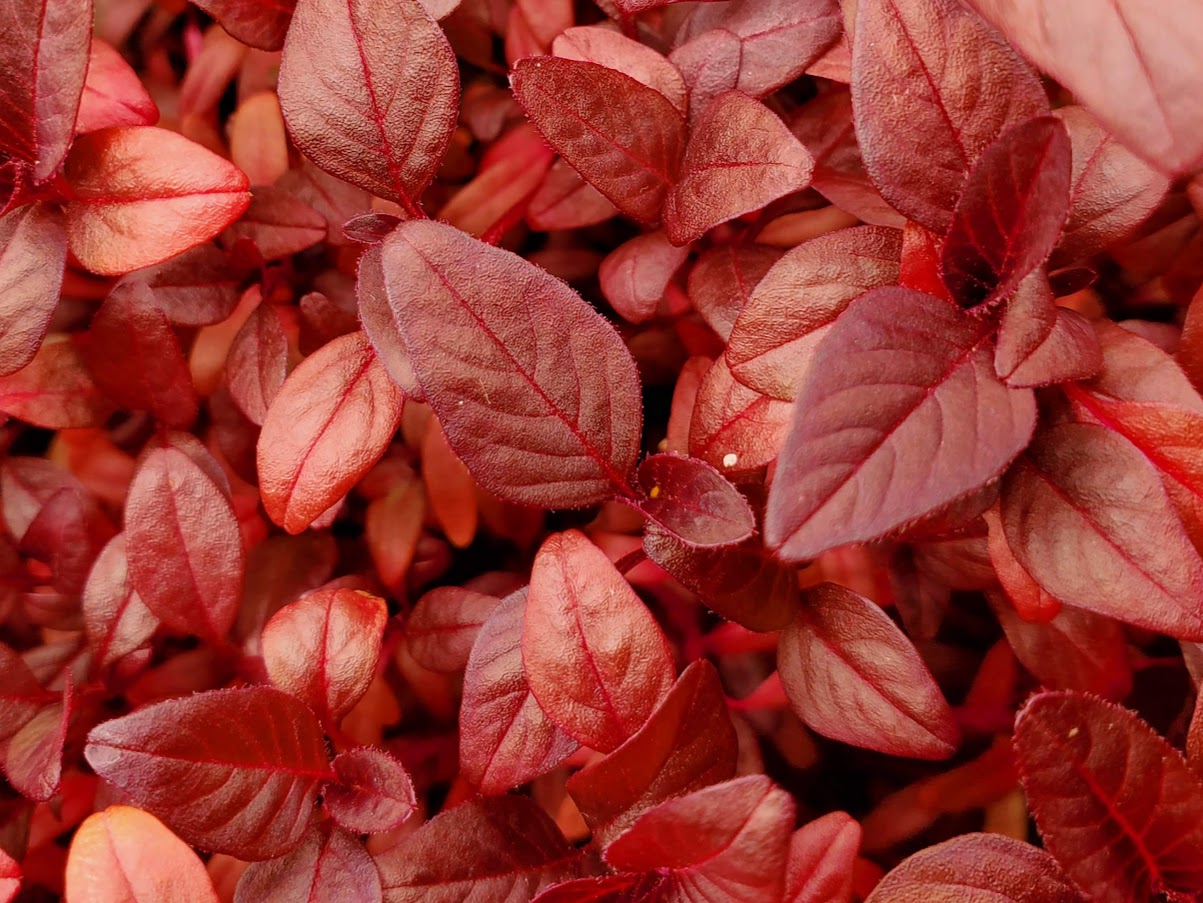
(257, 363)
(566, 201)
(505, 737)
(115, 618)
(278, 224)
(596, 44)
(693, 501)
(687, 743)
(635, 274)
(932, 87)
(596, 659)
(33, 756)
(1040, 343)
(336, 200)
(497, 848)
(1086, 515)
(536, 393)
(185, 552)
(725, 844)
(722, 280)
(329, 423)
(623, 137)
(195, 288)
(54, 390)
(323, 649)
(444, 625)
(143, 195)
(327, 866)
(1115, 803)
(113, 94)
(821, 857)
(279, 570)
(373, 793)
(739, 158)
(881, 382)
(734, 428)
(1009, 216)
(260, 23)
(977, 868)
(852, 675)
(920, 265)
(646, 888)
(370, 228)
(1032, 601)
(776, 335)
(67, 535)
(370, 90)
(33, 253)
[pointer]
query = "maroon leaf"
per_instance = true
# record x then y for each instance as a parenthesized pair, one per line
(694, 502)
(821, 857)
(373, 793)
(635, 274)
(978, 868)
(739, 158)
(68, 534)
(596, 689)
(535, 391)
(323, 649)
(330, 422)
(115, 618)
(687, 743)
(889, 369)
(722, 280)
(734, 428)
(33, 756)
(195, 288)
(852, 675)
(232, 771)
(259, 23)
(278, 224)
(1010, 214)
(54, 390)
(724, 844)
(1040, 343)
(327, 866)
(1032, 602)
(932, 87)
(335, 199)
(497, 848)
(184, 548)
(1115, 803)
(1129, 75)
(113, 94)
(505, 737)
(257, 363)
(22, 697)
(596, 44)
(33, 253)
(444, 625)
(646, 888)
(776, 335)
(369, 89)
(380, 327)
(1086, 515)
(44, 59)
(623, 137)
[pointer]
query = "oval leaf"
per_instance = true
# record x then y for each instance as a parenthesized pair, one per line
(373, 793)
(444, 624)
(694, 502)
(115, 618)
(33, 253)
(822, 856)
(328, 866)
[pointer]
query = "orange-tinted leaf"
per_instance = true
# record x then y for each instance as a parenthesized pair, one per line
(54, 390)
(33, 253)
(113, 94)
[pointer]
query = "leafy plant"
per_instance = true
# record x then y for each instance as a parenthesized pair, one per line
(626, 450)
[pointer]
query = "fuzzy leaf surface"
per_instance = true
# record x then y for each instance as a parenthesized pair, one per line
(694, 502)
(329, 865)
(33, 254)
(373, 793)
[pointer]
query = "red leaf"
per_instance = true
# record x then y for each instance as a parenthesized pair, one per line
(327, 866)
(142, 195)
(323, 649)
(646, 888)
(125, 855)
(1129, 74)
(450, 490)
(505, 737)
(978, 868)
(22, 697)
(496, 848)
(68, 534)
(725, 844)
(778, 331)
(379, 326)
(1031, 600)
(444, 625)
(595, 657)
(391, 86)
(566, 201)
(1040, 343)
(10, 878)
(33, 253)
(595, 44)
(1086, 515)
(115, 618)
(851, 674)
(1134, 369)
(185, 551)
(55, 390)
(257, 363)
(687, 743)
(330, 422)
(1115, 803)
(333, 198)
(1009, 216)
(44, 57)
(623, 137)
(536, 393)
(113, 94)
(822, 854)
(635, 274)
(232, 771)
(739, 158)
(1113, 190)
(932, 87)
(735, 428)
(722, 280)
(33, 756)
(373, 793)
(694, 502)
(278, 224)
(259, 23)
(196, 288)
(889, 369)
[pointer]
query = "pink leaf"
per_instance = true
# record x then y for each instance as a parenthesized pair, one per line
(595, 657)
(852, 675)
(327, 866)
(370, 90)
(932, 87)
(635, 274)
(564, 200)
(536, 393)
(444, 625)
(505, 737)
(739, 158)
(10, 878)
(1115, 803)
(646, 888)
(33, 756)
(821, 858)
(373, 793)
(623, 137)
(142, 195)
(330, 422)
(379, 325)
(185, 551)
(232, 771)
(113, 94)
(790, 311)
(259, 23)
(115, 619)
(257, 363)
(1010, 214)
(33, 253)
(693, 501)
(871, 421)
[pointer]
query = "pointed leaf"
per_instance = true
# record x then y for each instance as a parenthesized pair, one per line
(734, 428)
(722, 280)
(278, 224)
(379, 325)
(196, 288)
(113, 94)
(373, 793)
(33, 756)
(55, 390)
(33, 253)
(232, 771)
(257, 363)
(536, 393)
(115, 619)
(822, 854)
(1040, 343)
(327, 866)
(694, 502)
(595, 44)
